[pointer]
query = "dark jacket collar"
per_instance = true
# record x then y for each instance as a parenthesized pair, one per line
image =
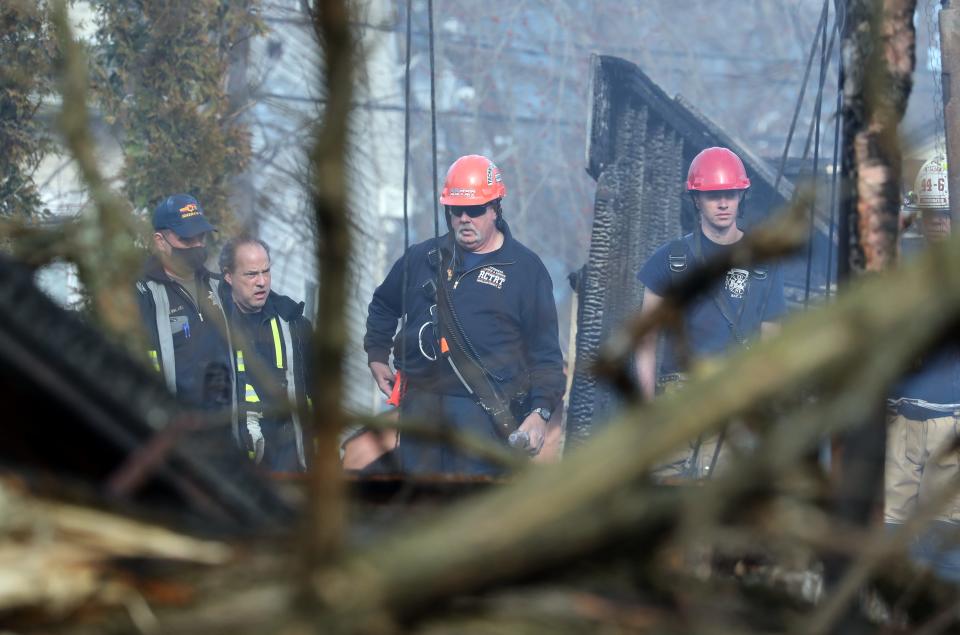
(506, 251)
(277, 305)
(153, 270)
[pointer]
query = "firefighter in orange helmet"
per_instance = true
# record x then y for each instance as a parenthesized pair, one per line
(744, 304)
(479, 348)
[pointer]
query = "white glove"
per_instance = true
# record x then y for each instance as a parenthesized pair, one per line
(256, 442)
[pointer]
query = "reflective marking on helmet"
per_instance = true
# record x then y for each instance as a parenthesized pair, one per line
(932, 188)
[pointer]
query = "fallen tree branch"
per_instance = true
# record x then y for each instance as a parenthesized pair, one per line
(473, 444)
(879, 547)
(542, 518)
(56, 557)
(37, 245)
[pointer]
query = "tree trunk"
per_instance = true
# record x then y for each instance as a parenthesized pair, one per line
(878, 52)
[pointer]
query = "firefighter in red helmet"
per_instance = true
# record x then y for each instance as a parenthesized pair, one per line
(745, 304)
(478, 346)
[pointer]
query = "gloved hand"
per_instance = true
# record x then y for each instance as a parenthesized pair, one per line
(254, 437)
(519, 439)
(530, 435)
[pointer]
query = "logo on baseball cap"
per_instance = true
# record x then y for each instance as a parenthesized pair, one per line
(181, 214)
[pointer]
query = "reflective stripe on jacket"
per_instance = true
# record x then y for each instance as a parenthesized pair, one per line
(188, 338)
(272, 362)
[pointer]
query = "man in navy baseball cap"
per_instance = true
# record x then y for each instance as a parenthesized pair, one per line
(182, 214)
(180, 236)
(179, 303)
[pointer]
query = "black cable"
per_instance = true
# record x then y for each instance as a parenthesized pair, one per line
(803, 89)
(833, 199)
(836, 165)
(433, 138)
(813, 120)
(817, 111)
(406, 185)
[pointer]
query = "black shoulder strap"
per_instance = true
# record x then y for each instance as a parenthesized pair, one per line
(762, 272)
(718, 298)
(677, 256)
(468, 368)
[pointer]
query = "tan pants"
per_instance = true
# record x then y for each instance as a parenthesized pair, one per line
(694, 463)
(914, 469)
(699, 457)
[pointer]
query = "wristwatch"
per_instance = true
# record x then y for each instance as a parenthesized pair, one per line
(543, 412)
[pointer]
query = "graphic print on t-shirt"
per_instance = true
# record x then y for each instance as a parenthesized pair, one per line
(736, 282)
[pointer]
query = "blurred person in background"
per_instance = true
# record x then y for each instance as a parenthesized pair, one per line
(922, 411)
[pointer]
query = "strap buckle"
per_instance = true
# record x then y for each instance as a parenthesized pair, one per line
(677, 263)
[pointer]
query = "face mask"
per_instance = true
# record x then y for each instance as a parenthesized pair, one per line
(192, 257)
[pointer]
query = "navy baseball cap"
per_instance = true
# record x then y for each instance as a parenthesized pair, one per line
(181, 214)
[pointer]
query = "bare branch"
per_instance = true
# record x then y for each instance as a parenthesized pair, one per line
(328, 164)
(105, 245)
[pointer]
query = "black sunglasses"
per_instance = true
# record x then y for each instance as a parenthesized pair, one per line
(473, 211)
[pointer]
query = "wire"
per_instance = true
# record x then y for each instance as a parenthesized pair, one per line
(817, 111)
(813, 120)
(433, 139)
(803, 89)
(933, 33)
(402, 348)
(836, 167)
(843, 211)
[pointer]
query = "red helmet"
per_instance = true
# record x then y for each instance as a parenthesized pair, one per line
(472, 180)
(717, 169)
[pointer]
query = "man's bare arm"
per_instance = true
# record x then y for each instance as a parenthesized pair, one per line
(646, 355)
(769, 329)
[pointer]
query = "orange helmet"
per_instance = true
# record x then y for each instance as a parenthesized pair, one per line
(717, 169)
(472, 180)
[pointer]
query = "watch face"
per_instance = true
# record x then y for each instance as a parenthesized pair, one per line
(543, 413)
